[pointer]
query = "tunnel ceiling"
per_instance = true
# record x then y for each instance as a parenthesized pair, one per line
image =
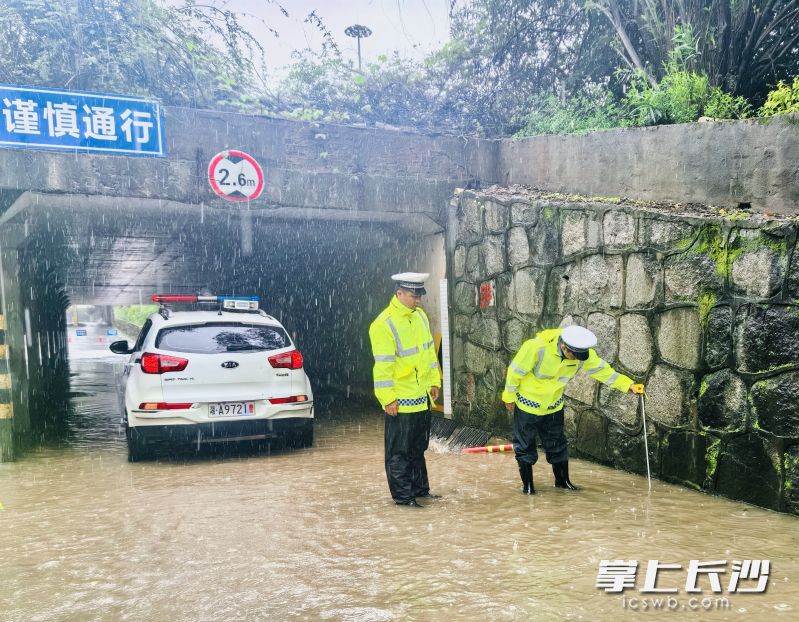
(106, 250)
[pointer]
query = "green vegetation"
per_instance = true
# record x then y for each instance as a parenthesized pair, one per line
(510, 68)
(548, 214)
(523, 68)
(581, 198)
(784, 98)
(711, 458)
(680, 97)
(790, 466)
(706, 303)
(714, 241)
(134, 314)
(134, 47)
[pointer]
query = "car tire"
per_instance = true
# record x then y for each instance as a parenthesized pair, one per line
(136, 446)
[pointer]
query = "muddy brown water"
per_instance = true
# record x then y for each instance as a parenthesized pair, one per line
(312, 534)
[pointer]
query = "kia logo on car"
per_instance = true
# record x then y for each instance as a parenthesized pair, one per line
(230, 364)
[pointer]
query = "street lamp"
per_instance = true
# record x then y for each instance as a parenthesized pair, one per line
(359, 32)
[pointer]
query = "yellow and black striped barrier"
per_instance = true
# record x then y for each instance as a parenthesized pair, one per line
(6, 410)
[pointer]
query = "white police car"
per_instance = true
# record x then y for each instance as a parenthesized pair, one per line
(230, 373)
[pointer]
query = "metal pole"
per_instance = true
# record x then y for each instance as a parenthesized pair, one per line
(646, 443)
(359, 53)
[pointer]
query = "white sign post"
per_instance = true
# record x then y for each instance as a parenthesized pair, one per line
(445, 355)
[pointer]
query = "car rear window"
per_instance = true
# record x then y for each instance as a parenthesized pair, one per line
(212, 338)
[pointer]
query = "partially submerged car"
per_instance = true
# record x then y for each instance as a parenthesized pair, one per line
(230, 373)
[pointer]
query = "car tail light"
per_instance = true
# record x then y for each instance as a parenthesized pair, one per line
(163, 406)
(289, 400)
(161, 363)
(286, 360)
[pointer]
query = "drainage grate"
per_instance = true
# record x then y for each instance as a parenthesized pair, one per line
(441, 428)
(455, 437)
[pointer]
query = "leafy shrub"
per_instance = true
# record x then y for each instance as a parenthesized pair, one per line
(785, 98)
(587, 112)
(680, 97)
(722, 105)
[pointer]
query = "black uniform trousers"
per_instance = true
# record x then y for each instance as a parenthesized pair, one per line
(548, 427)
(407, 436)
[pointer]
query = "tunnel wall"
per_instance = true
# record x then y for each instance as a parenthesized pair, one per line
(704, 311)
(36, 353)
(16, 417)
(6, 403)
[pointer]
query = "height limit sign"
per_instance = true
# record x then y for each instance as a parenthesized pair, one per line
(235, 176)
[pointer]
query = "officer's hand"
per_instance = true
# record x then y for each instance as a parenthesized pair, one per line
(637, 389)
(434, 392)
(510, 405)
(391, 409)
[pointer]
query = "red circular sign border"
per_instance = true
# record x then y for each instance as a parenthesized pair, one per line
(222, 155)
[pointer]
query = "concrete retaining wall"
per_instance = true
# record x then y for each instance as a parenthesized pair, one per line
(721, 163)
(704, 310)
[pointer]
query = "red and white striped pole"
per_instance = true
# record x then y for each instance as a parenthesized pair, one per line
(489, 449)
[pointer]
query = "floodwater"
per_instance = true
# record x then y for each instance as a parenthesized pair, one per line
(312, 534)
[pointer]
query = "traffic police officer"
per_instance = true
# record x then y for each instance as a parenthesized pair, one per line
(406, 378)
(534, 387)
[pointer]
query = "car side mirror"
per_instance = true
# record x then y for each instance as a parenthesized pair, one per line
(120, 347)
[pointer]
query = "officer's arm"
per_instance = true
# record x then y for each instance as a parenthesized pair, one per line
(383, 350)
(602, 372)
(521, 365)
(431, 358)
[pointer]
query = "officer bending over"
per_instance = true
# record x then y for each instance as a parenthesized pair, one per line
(534, 387)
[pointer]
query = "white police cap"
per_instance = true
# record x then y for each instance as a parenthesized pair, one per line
(579, 340)
(412, 281)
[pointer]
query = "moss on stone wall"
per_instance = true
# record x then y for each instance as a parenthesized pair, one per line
(711, 458)
(706, 303)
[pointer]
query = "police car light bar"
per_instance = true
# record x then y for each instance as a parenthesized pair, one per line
(238, 303)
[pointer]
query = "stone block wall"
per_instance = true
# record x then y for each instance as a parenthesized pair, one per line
(704, 309)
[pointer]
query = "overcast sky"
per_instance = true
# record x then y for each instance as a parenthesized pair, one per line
(414, 27)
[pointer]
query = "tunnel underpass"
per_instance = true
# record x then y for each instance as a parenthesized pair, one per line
(323, 275)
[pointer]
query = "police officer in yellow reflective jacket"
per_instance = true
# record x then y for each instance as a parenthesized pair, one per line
(534, 387)
(406, 378)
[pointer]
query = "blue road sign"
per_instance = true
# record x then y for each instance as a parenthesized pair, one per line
(111, 332)
(81, 332)
(35, 118)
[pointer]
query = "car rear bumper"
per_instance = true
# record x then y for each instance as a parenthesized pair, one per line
(223, 431)
(198, 416)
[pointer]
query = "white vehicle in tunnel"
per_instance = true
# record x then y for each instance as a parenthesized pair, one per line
(231, 374)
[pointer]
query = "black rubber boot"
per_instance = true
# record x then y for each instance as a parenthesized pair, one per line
(526, 473)
(411, 504)
(561, 471)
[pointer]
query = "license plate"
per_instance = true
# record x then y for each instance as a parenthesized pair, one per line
(231, 409)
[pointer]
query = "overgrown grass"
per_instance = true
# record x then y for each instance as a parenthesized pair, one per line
(134, 314)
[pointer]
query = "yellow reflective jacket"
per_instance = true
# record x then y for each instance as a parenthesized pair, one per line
(538, 374)
(405, 359)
